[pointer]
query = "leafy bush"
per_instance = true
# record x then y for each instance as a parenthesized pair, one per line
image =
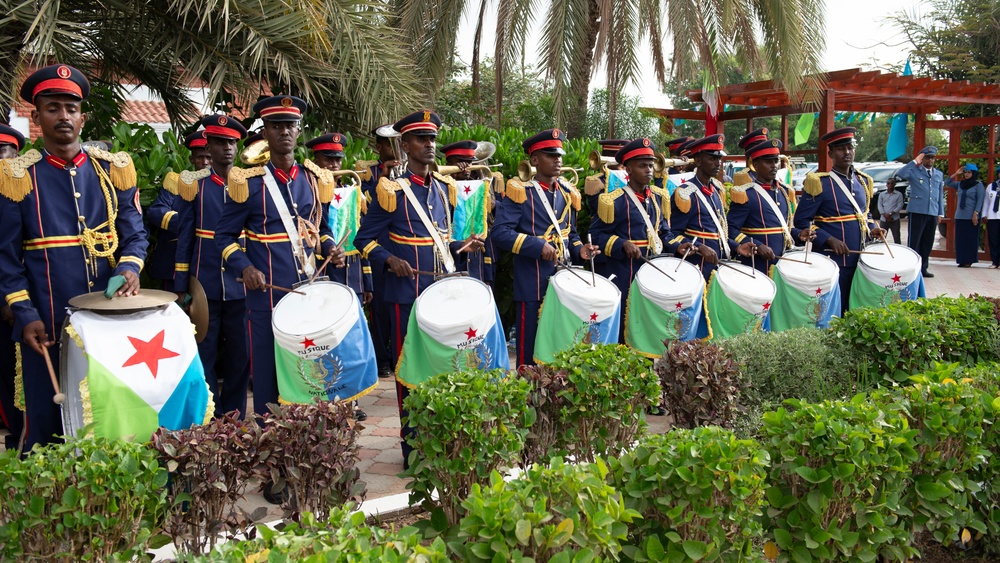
(210, 467)
(557, 513)
(313, 448)
(342, 537)
(701, 384)
(153, 157)
(82, 500)
(591, 401)
(906, 338)
(699, 493)
(948, 422)
(466, 425)
(839, 470)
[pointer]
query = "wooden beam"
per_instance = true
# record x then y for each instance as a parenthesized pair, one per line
(919, 132)
(964, 123)
(826, 124)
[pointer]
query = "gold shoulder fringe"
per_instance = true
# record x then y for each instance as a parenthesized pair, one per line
(593, 185)
(606, 206)
(452, 187)
(868, 182)
(498, 182)
(812, 184)
(187, 183)
(682, 197)
(326, 184)
(364, 169)
(575, 199)
(662, 192)
(742, 177)
(738, 193)
(122, 168)
(170, 182)
(386, 192)
(237, 185)
(362, 201)
(15, 184)
(515, 191)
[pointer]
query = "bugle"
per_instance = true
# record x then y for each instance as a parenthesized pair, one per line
(599, 162)
(256, 153)
(661, 163)
(525, 172)
(448, 170)
(396, 138)
(353, 174)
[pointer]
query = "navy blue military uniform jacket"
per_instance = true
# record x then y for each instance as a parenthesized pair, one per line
(752, 218)
(618, 220)
(826, 204)
(690, 218)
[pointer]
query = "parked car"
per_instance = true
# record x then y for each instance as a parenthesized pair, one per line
(799, 176)
(880, 173)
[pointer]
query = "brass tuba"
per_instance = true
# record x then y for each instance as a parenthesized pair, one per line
(256, 153)
(525, 172)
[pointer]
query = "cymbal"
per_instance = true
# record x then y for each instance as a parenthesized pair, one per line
(199, 309)
(145, 299)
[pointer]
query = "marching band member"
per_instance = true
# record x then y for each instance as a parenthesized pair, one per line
(597, 184)
(285, 222)
(631, 223)
(697, 211)
(761, 207)
(838, 202)
(71, 220)
(203, 198)
(414, 212)
(11, 143)
(478, 264)
(537, 223)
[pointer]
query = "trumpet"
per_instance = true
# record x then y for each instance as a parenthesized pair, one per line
(256, 153)
(353, 174)
(525, 172)
(449, 170)
(599, 161)
(397, 148)
(661, 163)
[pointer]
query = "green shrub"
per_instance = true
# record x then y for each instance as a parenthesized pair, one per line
(948, 420)
(701, 384)
(838, 473)
(549, 397)
(699, 492)
(597, 396)
(313, 449)
(906, 338)
(85, 499)
(466, 424)
(557, 513)
(342, 537)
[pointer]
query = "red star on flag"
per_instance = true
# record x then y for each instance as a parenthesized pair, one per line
(679, 305)
(819, 290)
(626, 177)
(337, 197)
(149, 353)
(471, 333)
(895, 278)
(467, 190)
(767, 306)
(593, 316)
(307, 343)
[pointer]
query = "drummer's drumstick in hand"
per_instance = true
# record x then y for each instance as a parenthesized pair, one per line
(58, 398)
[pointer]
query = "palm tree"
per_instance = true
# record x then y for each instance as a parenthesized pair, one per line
(337, 54)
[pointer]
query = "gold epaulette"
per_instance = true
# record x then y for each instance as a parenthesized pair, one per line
(364, 169)
(15, 183)
(326, 183)
(122, 171)
(237, 186)
(498, 182)
(682, 197)
(170, 182)
(664, 199)
(606, 206)
(575, 199)
(187, 182)
(593, 185)
(812, 184)
(742, 177)
(452, 187)
(515, 191)
(362, 201)
(386, 192)
(867, 182)
(738, 193)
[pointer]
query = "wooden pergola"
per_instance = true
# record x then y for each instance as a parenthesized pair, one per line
(857, 90)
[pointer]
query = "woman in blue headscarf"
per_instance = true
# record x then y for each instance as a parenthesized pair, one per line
(971, 194)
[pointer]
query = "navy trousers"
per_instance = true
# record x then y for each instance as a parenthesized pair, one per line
(260, 342)
(399, 318)
(526, 321)
(226, 333)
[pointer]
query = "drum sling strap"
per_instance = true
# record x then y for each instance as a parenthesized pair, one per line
(777, 211)
(651, 234)
(294, 236)
(442, 249)
(552, 218)
(719, 224)
(854, 203)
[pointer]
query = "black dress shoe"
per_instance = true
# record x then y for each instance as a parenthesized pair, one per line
(927, 274)
(384, 371)
(275, 497)
(360, 415)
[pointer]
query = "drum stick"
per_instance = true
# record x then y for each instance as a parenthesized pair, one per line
(887, 247)
(321, 268)
(721, 263)
(58, 398)
(657, 268)
(866, 252)
(572, 271)
(686, 252)
(277, 287)
(794, 260)
(593, 276)
(808, 243)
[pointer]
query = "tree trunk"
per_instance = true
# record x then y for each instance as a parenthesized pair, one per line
(580, 92)
(475, 56)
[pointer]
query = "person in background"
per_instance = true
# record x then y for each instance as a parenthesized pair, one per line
(926, 204)
(971, 195)
(889, 205)
(991, 214)
(11, 143)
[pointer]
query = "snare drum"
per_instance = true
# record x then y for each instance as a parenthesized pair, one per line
(132, 373)
(575, 311)
(738, 302)
(322, 348)
(662, 309)
(454, 326)
(808, 294)
(882, 278)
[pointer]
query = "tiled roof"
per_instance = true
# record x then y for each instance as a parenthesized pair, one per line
(146, 112)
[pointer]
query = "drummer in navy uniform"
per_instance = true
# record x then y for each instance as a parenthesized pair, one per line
(284, 222)
(418, 237)
(11, 143)
(203, 197)
(479, 265)
(761, 207)
(523, 227)
(697, 211)
(631, 223)
(58, 240)
(842, 221)
(162, 215)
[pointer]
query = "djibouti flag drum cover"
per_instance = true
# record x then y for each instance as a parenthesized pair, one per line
(323, 350)
(883, 278)
(454, 326)
(808, 294)
(661, 309)
(576, 311)
(737, 303)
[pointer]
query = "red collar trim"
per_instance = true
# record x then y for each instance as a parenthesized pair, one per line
(78, 160)
(418, 180)
(766, 186)
(218, 179)
(287, 177)
(546, 187)
(707, 190)
(641, 196)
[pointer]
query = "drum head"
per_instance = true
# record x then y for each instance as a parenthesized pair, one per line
(821, 273)
(900, 268)
(750, 293)
(327, 308)
(145, 299)
(576, 293)
(451, 307)
(688, 283)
